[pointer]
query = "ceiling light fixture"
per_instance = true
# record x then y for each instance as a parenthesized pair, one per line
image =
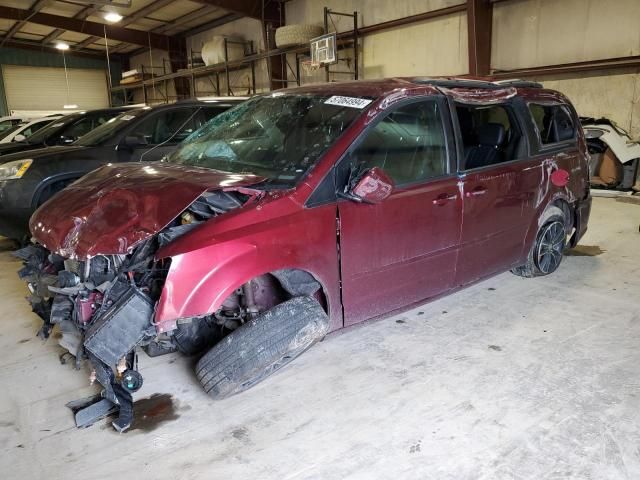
(112, 17)
(62, 46)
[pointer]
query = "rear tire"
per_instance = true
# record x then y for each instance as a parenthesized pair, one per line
(546, 252)
(262, 346)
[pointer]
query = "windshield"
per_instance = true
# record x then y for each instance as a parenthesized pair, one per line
(46, 133)
(6, 133)
(278, 136)
(108, 129)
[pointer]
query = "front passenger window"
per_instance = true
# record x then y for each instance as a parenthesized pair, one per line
(76, 130)
(170, 126)
(409, 144)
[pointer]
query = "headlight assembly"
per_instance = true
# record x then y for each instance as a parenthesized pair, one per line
(13, 170)
(593, 132)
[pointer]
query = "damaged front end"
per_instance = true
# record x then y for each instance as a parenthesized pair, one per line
(104, 306)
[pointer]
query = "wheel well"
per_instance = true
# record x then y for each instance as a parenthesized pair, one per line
(280, 285)
(51, 188)
(297, 282)
(568, 212)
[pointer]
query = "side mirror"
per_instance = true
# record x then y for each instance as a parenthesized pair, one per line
(19, 138)
(372, 187)
(64, 140)
(133, 141)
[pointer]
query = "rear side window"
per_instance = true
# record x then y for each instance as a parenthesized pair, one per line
(490, 135)
(553, 122)
(409, 144)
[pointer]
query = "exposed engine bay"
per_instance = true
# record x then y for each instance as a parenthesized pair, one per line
(104, 307)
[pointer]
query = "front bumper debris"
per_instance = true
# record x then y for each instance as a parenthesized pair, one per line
(104, 311)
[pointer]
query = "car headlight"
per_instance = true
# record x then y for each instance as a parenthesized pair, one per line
(593, 133)
(13, 170)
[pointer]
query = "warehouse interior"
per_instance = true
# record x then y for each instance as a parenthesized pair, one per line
(109, 113)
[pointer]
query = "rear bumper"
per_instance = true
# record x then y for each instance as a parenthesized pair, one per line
(583, 210)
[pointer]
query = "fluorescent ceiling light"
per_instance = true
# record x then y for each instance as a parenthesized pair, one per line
(62, 46)
(67, 107)
(112, 17)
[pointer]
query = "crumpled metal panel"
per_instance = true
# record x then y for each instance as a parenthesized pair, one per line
(480, 95)
(97, 215)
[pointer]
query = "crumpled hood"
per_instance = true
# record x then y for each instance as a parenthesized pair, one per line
(112, 209)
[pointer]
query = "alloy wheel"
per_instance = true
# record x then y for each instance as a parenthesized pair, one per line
(550, 247)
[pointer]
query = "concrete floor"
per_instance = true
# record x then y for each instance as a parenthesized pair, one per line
(510, 379)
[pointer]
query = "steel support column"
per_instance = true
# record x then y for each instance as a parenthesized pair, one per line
(479, 21)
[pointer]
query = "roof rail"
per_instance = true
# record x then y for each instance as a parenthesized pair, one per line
(456, 83)
(471, 83)
(516, 82)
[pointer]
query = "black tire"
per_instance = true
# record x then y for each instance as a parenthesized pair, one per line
(543, 260)
(196, 336)
(262, 346)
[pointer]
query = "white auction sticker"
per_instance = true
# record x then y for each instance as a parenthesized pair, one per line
(352, 102)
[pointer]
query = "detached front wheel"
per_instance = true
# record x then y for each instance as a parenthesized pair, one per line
(546, 253)
(262, 346)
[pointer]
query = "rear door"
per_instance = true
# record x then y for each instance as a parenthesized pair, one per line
(500, 186)
(404, 249)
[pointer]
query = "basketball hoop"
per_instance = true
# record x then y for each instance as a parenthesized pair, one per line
(309, 67)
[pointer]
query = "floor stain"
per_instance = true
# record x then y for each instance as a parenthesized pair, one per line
(491, 289)
(416, 447)
(25, 340)
(400, 321)
(150, 413)
(240, 433)
(585, 251)
(495, 347)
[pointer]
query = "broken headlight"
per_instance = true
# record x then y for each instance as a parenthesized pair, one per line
(14, 170)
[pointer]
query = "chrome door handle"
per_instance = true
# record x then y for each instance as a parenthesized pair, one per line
(444, 198)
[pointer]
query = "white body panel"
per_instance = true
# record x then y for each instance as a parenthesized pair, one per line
(621, 144)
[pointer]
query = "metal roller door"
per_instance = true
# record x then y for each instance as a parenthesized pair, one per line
(45, 88)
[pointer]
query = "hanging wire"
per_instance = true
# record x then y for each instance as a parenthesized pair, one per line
(106, 44)
(153, 75)
(66, 77)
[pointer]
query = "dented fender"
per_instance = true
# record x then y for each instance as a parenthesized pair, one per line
(201, 278)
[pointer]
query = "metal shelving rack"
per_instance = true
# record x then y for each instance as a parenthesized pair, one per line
(249, 61)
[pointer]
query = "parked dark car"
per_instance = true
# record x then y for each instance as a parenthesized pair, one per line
(301, 212)
(28, 179)
(63, 131)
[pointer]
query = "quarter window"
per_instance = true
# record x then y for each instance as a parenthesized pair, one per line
(409, 144)
(554, 123)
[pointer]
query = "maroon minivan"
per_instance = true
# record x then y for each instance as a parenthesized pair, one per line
(300, 212)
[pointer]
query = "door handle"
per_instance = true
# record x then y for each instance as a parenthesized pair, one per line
(476, 192)
(444, 198)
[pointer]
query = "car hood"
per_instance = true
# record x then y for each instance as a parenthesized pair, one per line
(15, 147)
(39, 152)
(114, 208)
